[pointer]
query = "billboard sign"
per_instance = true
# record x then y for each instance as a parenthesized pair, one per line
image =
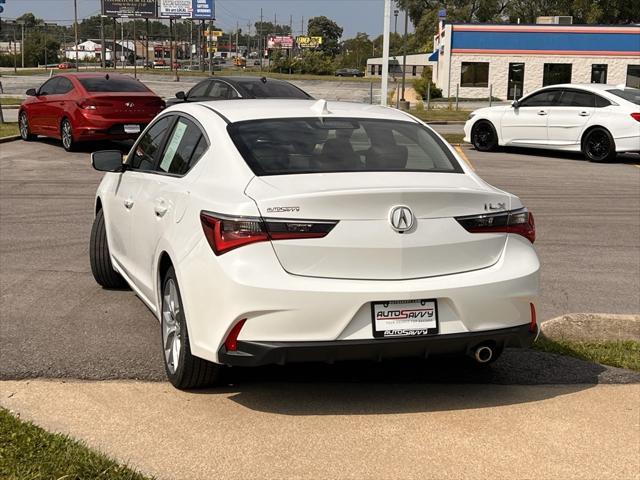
(279, 41)
(129, 8)
(176, 8)
(304, 41)
(203, 10)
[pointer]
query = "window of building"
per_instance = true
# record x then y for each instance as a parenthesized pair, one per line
(414, 70)
(474, 74)
(599, 73)
(373, 69)
(515, 81)
(555, 73)
(633, 76)
(379, 69)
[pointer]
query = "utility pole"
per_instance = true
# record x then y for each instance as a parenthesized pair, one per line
(190, 44)
(104, 47)
(135, 47)
(114, 50)
(260, 49)
(209, 33)
(302, 26)
(22, 44)
(171, 43)
(75, 28)
(146, 43)
(202, 43)
(45, 46)
(122, 43)
(384, 88)
(404, 51)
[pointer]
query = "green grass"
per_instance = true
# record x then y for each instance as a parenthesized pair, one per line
(8, 129)
(29, 452)
(437, 114)
(623, 354)
(11, 100)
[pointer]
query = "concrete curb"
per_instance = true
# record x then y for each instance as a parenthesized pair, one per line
(584, 327)
(9, 107)
(10, 138)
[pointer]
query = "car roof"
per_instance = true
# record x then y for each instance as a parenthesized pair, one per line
(256, 109)
(245, 79)
(595, 87)
(92, 74)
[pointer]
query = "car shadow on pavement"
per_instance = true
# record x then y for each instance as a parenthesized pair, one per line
(408, 386)
(89, 147)
(624, 158)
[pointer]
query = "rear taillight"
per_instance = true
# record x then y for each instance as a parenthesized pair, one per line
(231, 343)
(226, 233)
(87, 104)
(516, 221)
(533, 324)
(636, 116)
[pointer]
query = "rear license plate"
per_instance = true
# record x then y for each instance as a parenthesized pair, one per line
(404, 318)
(132, 129)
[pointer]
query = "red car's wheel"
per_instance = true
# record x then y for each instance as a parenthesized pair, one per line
(25, 131)
(66, 134)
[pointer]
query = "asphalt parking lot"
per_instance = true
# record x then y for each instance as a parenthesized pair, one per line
(58, 323)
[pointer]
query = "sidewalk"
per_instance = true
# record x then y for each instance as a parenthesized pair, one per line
(346, 430)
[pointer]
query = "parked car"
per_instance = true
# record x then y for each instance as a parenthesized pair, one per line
(81, 107)
(226, 88)
(159, 62)
(263, 232)
(349, 72)
(596, 119)
(65, 66)
(108, 64)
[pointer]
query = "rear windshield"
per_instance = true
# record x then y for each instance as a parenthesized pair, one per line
(111, 84)
(629, 94)
(321, 145)
(273, 90)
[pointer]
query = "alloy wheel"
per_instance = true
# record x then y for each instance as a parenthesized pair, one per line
(598, 145)
(482, 135)
(24, 126)
(67, 139)
(171, 329)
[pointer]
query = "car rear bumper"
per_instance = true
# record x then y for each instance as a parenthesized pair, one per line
(253, 353)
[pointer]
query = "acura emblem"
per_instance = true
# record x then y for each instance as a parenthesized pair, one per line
(129, 104)
(401, 218)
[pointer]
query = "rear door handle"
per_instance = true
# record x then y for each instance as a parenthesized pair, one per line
(160, 208)
(128, 204)
(584, 114)
(542, 112)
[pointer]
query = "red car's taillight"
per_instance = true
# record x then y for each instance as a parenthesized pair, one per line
(226, 233)
(636, 116)
(87, 104)
(516, 221)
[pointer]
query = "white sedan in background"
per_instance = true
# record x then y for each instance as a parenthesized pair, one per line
(275, 231)
(596, 119)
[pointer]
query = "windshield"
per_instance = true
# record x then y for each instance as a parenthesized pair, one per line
(629, 94)
(321, 145)
(111, 84)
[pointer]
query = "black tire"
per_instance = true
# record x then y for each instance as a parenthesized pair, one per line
(100, 259)
(484, 137)
(598, 145)
(191, 372)
(66, 135)
(25, 131)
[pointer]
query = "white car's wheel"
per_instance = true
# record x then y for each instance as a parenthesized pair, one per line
(598, 145)
(100, 258)
(184, 370)
(484, 137)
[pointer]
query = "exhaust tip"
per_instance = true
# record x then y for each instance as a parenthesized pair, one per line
(483, 354)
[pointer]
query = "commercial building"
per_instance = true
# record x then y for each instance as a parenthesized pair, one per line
(415, 64)
(512, 60)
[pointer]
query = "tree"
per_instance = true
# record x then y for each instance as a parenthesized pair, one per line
(355, 51)
(330, 32)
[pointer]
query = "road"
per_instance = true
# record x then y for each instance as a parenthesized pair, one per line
(59, 323)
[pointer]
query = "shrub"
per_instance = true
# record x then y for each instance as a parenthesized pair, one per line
(421, 84)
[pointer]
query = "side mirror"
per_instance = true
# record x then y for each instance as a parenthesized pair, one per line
(515, 104)
(32, 92)
(181, 95)
(107, 161)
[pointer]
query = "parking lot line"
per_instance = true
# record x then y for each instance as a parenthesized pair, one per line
(464, 156)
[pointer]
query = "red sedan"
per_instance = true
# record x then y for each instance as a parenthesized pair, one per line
(81, 107)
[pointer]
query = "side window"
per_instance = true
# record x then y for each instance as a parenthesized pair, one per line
(219, 91)
(547, 98)
(63, 86)
(184, 144)
(201, 89)
(49, 87)
(575, 98)
(601, 102)
(146, 152)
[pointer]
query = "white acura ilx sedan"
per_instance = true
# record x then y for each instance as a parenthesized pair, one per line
(596, 119)
(276, 231)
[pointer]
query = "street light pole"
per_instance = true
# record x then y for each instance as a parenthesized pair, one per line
(384, 88)
(103, 52)
(404, 51)
(75, 27)
(22, 45)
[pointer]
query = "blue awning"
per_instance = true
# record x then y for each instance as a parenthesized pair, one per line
(434, 56)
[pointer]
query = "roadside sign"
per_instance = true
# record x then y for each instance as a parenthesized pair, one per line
(304, 41)
(176, 8)
(203, 10)
(129, 8)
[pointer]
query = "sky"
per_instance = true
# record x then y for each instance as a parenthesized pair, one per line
(352, 15)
